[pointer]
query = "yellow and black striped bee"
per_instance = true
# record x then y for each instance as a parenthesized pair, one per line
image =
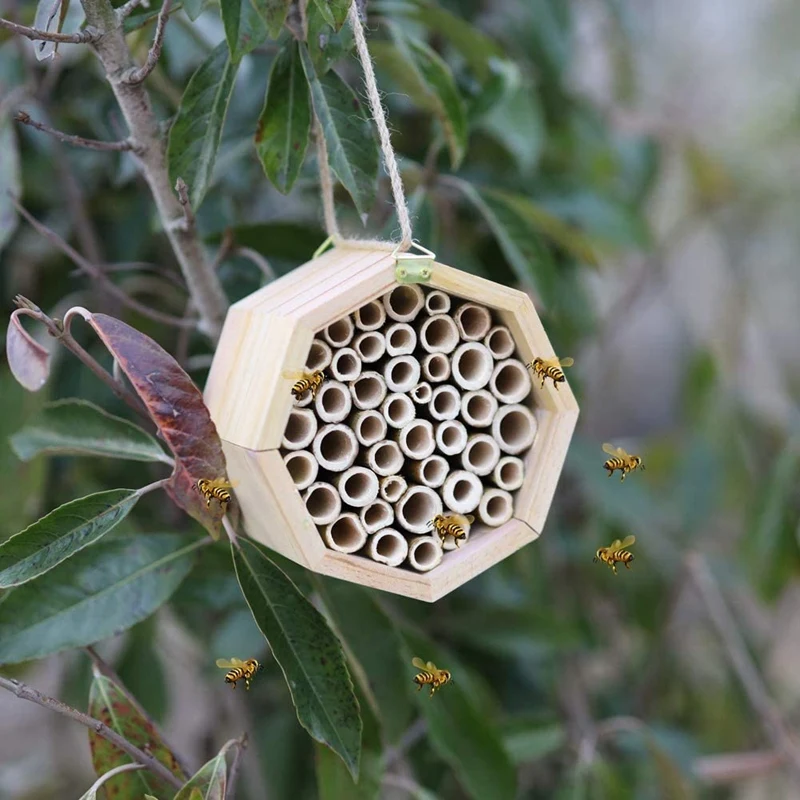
(430, 675)
(616, 553)
(217, 489)
(550, 368)
(455, 525)
(620, 460)
(239, 670)
(304, 381)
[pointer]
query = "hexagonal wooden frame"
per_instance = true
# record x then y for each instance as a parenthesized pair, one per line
(271, 331)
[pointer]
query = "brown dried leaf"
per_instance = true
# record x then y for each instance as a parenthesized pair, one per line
(28, 360)
(177, 408)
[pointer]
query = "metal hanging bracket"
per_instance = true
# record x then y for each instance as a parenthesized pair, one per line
(414, 267)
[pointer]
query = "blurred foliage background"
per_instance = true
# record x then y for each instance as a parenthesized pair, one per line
(632, 165)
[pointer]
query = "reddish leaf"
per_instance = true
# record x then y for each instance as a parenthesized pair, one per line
(28, 360)
(108, 704)
(177, 408)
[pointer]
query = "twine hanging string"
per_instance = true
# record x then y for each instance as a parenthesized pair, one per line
(389, 157)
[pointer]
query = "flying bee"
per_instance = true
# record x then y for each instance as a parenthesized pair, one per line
(430, 674)
(239, 670)
(455, 525)
(550, 368)
(217, 489)
(616, 553)
(620, 460)
(304, 381)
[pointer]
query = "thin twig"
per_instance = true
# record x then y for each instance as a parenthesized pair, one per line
(97, 274)
(78, 141)
(25, 692)
(107, 776)
(183, 198)
(233, 775)
(733, 767)
(410, 737)
(85, 36)
(125, 10)
(253, 255)
(138, 75)
(225, 247)
(752, 683)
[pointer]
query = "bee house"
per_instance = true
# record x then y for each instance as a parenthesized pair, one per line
(426, 408)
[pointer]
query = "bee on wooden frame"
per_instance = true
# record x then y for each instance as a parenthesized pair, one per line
(455, 525)
(304, 381)
(239, 670)
(620, 460)
(430, 675)
(217, 489)
(616, 553)
(550, 368)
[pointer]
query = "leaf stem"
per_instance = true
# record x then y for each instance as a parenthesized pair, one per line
(107, 776)
(233, 775)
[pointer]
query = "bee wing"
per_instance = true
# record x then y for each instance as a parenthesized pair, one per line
(224, 663)
(610, 449)
(419, 663)
(293, 374)
(627, 542)
(470, 519)
(565, 362)
(431, 667)
(462, 520)
(614, 546)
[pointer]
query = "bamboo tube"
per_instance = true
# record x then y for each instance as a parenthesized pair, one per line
(300, 429)
(514, 429)
(401, 373)
(388, 547)
(345, 534)
(335, 447)
(509, 473)
(303, 468)
(437, 302)
(481, 454)
(445, 402)
(424, 553)
(368, 390)
(416, 439)
(370, 346)
(322, 503)
(385, 458)
(450, 543)
(404, 302)
(398, 410)
(358, 487)
(473, 321)
(499, 343)
(438, 334)
(369, 427)
(496, 507)
(345, 365)
(401, 339)
(472, 366)
(451, 437)
(319, 355)
(431, 471)
(339, 333)
(416, 508)
(421, 394)
(370, 316)
(436, 367)
(510, 381)
(462, 491)
(392, 488)
(333, 401)
(376, 516)
(478, 408)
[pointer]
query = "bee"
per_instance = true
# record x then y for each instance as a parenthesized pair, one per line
(217, 489)
(455, 525)
(550, 368)
(620, 460)
(430, 674)
(616, 553)
(304, 381)
(238, 670)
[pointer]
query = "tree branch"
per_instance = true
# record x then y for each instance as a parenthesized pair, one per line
(25, 692)
(78, 141)
(85, 36)
(138, 75)
(183, 198)
(124, 11)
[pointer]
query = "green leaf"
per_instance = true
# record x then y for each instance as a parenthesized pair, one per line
(140, 669)
(193, 8)
(274, 12)
(307, 652)
(528, 742)
(245, 28)
(10, 180)
(352, 148)
(63, 532)
(326, 45)
(285, 123)
(110, 705)
(196, 132)
(460, 732)
(208, 783)
(333, 11)
(79, 427)
(98, 593)
(517, 122)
